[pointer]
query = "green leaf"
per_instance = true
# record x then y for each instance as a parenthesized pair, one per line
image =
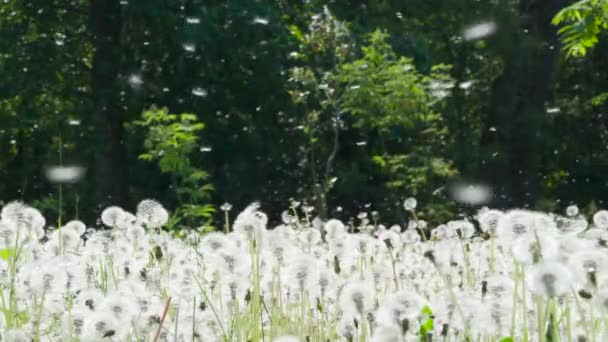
(427, 326)
(6, 254)
(507, 339)
(426, 311)
(296, 32)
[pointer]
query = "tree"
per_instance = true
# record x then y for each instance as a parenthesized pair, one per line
(393, 103)
(111, 181)
(379, 98)
(582, 23)
(171, 140)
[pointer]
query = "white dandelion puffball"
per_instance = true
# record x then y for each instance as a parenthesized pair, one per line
(112, 216)
(488, 220)
(572, 210)
(410, 204)
(549, 279)
(152, 213)
(77, 226)
(600, 219)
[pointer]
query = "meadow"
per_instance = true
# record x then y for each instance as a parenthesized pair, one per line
(499, 276)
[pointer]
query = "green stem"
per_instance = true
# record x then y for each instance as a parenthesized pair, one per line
(226, 222)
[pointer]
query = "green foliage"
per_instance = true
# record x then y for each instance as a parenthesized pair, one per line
(582, 23)
(315, 89)
(426, 326)
(288, 97)
(6, 254)
(386, 94)
(383, 90)
(170, 141)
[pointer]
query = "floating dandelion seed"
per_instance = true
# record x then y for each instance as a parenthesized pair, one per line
(260, 20)
(74, 122)
(60, 39)
(479, 31)
(135, 81)
(473, 194)
(361, 143)
(198, 91)
(206, 149)
(64, 174)
(193, 20)
(466, 85)
(189, 47)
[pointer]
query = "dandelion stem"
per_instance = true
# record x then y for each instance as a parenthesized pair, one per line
(226, 222)
(162, 320)
(208, 302)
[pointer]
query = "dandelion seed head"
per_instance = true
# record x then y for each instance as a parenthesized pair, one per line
(488, 220)
(570, 225)
(251, 222)
(410, 236)
(77, 226)
(410, 204)
(600, 219)
(549, 278)
(152, 213)
(463, 228)
(572, 210)
(585, 262)
(529, 250)
(357, 296)
(113, 216)
(288, 218)
(515, 223)
(387, 333)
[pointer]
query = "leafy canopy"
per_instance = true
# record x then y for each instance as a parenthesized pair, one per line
(582, 23)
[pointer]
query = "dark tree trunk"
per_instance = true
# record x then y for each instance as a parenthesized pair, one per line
(513, 134)
(110, 154)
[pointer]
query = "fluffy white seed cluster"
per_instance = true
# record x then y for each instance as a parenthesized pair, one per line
(517, 273)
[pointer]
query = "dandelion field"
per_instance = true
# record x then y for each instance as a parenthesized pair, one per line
(501, 276)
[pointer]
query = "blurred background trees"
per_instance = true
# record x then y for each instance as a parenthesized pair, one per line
(349, 106)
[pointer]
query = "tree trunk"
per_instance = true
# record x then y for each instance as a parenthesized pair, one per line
(111, 182)
(513, 129)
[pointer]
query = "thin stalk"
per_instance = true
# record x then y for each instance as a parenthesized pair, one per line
(208, 302)
(541, 319)
(193, 317)
(226, 222)
(514, 300)
(162, 320)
